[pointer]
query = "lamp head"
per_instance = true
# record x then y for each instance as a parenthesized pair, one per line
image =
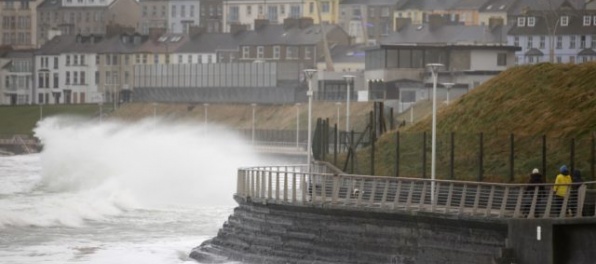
(434, 66)
(349, 77)
(309, 73)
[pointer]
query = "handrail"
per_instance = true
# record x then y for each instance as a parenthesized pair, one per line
(324, 186)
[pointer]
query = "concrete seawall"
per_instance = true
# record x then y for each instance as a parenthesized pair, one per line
(258, 233)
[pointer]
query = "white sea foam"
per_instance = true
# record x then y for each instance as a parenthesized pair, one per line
(91, 171)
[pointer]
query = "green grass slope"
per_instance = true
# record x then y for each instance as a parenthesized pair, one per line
(557, 101)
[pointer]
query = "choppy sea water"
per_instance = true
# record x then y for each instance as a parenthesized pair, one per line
(145, 192)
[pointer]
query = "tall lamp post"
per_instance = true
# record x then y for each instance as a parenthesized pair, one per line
(349, 79)
(448, 87)
(206, 106)
(434, 70)
(254, 109)
(297, 125)
(309, 73)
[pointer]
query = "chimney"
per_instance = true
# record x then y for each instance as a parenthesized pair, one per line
(260, 23)
(495, 22)
(237, 28)
(155, 33)
(401, 22)
(291, 22)
(435, 21)
(305, 22)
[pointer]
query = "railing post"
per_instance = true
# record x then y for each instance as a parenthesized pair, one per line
(476, 198)
(549, 203)
(397, 154)
(520, 194)
(360, 192)
(373, 193)
(397, 194)
(504, 202)
(489, 205)
(385, 190)
(410, 193)
(534, 201)
(581, 197)
(449, 198)
(270, 183)
(462, 201)
(422, 196)
(565, 202)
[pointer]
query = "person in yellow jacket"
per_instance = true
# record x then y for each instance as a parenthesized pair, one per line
(561, 188)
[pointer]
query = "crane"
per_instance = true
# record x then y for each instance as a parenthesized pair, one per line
(327, 53)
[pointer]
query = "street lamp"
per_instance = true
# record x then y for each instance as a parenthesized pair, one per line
(205, 106)
(297, 125)
(309, 74)
(448, 86)
(349, 79)
(434, 70)
(337, 135)
(254, 109)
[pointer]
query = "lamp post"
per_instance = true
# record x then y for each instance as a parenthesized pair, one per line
(254, 108)
(349, 79)
(297, 125)
(448, 87)
(434, 70)
(309, 74)
(337, 135)
(206, 106)
(154, 110)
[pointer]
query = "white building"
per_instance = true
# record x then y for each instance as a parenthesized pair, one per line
(16, 81)
(246, 11)
(66, 71)
(183, 14)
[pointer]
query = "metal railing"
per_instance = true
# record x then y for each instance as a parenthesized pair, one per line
(331, 189)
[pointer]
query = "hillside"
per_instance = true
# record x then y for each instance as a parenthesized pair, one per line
(554, 100)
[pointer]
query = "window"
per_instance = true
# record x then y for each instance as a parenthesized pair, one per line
(582, 42)
(180, 59)
(325, 7)
(530, 42)
(587, 20)
(82, 74)
(144, 11)
(291, 52)
(311, 7)
(593, 42)
(542, 42)
(356, 12)
(276, 50)
(502, 59)
(96, 59)
(82, 59)
(182, 11)
(75, 77)
(260, 52)
(234, 16)
(55, 62)
(564, 21)
(559, 42)
(521, 21)
(126, 59)
(108, 78)
(295, 11)
(559, 59)
(67, 60)
(248, 10)
(272, 13)
(308, 53)
(56, 80)
(76, 59)
(260, 9)
(192, 11)
(108, 59)
(516, 41)
(96, 77)
(572, 42)
(245, 52)
(156, 58)
(282, 9)
(173, 11)
(189, 59)
(137, 59)
(531, 21)
(67, 79)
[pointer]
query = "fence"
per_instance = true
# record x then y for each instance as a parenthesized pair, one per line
(327, 188)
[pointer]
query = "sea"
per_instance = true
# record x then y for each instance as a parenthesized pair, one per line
(119, 192)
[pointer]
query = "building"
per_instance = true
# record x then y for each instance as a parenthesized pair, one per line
(16, 78)
(296, 40)
(71, 17)
(565, 36)
(496, 9)
(66, 70)
(397, 69)
(211, 15)
(154, 14)
(19, 23)
(366, 20)
(209, 48)
(246, 12)
(329, 11)
(458, 11)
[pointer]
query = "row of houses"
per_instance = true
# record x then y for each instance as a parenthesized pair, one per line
(28, 24)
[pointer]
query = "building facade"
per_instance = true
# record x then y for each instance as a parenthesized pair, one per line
(19, 20)
(245, 12)
(367, 19)
(16, 77)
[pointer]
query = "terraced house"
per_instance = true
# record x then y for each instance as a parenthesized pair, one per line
(245, 12)
(19, 23)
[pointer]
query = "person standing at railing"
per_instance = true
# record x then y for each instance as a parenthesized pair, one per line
(575, 178)
(561, 188)
(535, 178)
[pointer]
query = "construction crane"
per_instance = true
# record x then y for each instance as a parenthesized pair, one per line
(327, 53)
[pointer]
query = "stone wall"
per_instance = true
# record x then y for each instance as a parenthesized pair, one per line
(260, 233)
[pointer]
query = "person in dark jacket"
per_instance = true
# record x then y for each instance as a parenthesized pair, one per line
(576, 177)
(535, 178)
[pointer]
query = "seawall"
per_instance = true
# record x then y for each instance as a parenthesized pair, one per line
(270, 233)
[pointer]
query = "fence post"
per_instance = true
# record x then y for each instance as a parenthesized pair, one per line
(336, 138)
(424, 154)
(512, 157)
(372, 145)
(397, 154)
(480, 158)
(544, 155)
(452, 157)
(572, 155)
(391, 121)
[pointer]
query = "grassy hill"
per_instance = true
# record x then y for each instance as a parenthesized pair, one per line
(557, 101)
